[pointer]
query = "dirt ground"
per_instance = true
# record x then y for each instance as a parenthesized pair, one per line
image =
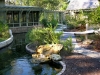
(78, 64)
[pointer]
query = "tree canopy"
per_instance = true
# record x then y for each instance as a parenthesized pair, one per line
(46, 4)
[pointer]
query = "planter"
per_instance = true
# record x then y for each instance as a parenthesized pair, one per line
(8, 41)
(31, 48)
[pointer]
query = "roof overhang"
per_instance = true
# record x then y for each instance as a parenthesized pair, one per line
(75, 5)
(18, 8)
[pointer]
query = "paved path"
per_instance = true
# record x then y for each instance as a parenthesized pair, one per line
(77, 48)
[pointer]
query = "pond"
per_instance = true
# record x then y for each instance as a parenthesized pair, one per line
(14, 60)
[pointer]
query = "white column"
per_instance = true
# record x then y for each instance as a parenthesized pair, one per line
(20, 16)
(45, 14)
(55, 15)
(27, 17)
(86, 26)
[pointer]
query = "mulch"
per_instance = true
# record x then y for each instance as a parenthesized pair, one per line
(78, 64)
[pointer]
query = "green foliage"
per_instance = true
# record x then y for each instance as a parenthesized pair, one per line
(82, 22)
(77, 20)
(43, 36)
(62, 4)
(50, 4)
(3, 27)
(53, 23)
(67, 45)
(94, 16)
(4, 33)
(46, 23)
(46, 4)
(71, 22)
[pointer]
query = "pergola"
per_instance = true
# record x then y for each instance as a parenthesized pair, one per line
(25, 16)
(17, 16)
(58, 15)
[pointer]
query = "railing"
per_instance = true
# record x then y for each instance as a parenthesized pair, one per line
(25, 24)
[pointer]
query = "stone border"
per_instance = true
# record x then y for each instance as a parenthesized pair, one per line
(8, 41)
(30, 50)
(63, 69)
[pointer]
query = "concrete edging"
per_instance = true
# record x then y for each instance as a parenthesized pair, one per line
(63, 69)
(29, 50)
(8, 41)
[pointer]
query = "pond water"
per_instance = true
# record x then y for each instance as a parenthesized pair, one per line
(14, 60)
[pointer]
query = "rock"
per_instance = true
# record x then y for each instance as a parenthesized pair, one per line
(38, 58)
(55, 57)
(49, 49)
(87, 42)
(47, 52)
(97, 32)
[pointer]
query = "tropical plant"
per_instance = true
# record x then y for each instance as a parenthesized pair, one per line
(43, 36)
(94, 16)
(46, 23)
(67, 45)
(4, 31)
(53, 22)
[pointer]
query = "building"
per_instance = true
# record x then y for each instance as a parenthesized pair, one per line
(77, 5)
(22, 18)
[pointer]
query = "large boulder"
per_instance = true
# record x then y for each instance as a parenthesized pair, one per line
(49, 49)
(87, 42)
(39, 58)
(47, 52)
(97, 32)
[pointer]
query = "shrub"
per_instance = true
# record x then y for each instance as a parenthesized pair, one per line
(43, 36)
(53, 22)
(44, 22)
(4, 31)
(67, 45)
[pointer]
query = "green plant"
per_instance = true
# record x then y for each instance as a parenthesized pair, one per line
(82, 25)
(4, 31)
(67, 45)
(53, 23)
(71, 22)
(43, 36)
(82, 22)
(94, 18)
(44, 22)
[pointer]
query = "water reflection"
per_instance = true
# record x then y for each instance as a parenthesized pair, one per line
(14, 60)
